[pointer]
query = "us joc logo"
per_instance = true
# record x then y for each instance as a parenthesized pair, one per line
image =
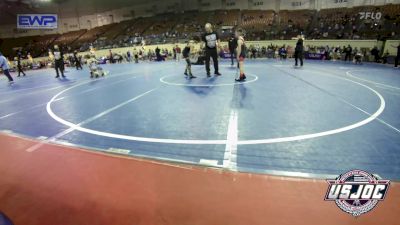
(357, 191)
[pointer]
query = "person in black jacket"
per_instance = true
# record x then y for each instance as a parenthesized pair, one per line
(77, 60)
(397, 58)
(232, 44)
(19, 66)
(375, 52)
(158, 55)
(348, 52)
(299, 51)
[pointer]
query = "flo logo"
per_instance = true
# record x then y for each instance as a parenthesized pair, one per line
(370, 15)
(357, 192)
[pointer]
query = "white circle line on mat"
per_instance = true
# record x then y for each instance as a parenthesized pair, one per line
(162, 80)
(219, 142)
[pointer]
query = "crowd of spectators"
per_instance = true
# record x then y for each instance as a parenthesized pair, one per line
(343, 23)
(271, 51)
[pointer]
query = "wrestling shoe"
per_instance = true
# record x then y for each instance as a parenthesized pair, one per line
(241, 78)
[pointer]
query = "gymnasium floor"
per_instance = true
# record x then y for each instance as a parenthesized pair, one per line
(318, 121)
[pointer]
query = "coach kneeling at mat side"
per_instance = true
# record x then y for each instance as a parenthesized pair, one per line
(211, 41)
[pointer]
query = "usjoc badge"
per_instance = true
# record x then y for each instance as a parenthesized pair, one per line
(357, 192)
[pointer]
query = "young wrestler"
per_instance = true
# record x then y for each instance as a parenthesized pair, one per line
(95, 69)
(240, 53)
(58, 61)
(17, 62)
(77, 60)
(186, 54)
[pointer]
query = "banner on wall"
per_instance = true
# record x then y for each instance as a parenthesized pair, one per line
(37, 21)
(335, 3)
(317, 56)
(295, 4)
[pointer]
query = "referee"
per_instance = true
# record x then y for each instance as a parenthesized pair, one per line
(211, 41)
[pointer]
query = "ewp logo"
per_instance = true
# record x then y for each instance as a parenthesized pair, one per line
(37, 21)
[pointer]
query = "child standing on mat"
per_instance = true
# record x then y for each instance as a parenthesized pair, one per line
(4, 66)
(19, 66)
(240, 53)
(77, 60)
(58, 61)
(185, 54)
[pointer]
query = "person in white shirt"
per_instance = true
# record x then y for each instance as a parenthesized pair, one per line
(95, 69)
(178, 53)
(5, 67)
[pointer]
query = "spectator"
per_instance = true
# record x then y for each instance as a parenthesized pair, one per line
(375, 53)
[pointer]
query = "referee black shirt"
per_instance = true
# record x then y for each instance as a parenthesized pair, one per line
(211, 40)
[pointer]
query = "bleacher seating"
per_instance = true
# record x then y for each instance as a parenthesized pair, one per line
(69, 38)
(259, 24)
